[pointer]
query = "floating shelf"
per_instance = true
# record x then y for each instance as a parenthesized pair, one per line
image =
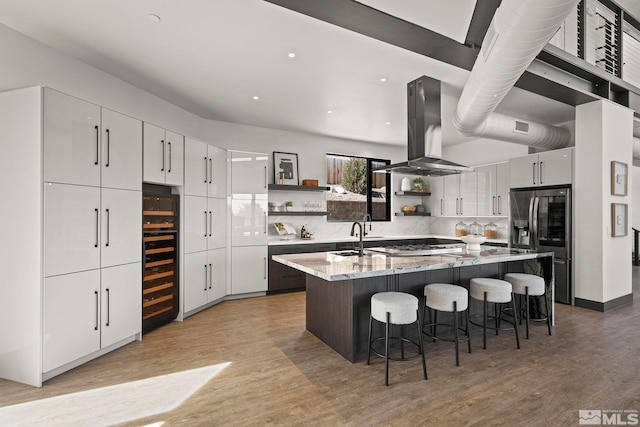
(412, 193)
(297, 187)
(412, 214)
(298, 213)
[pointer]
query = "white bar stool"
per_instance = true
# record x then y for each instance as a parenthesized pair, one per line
(498, 292)
(447, 298)
(395, 308)
(529, 285)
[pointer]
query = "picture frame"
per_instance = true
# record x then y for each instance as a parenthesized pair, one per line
(619, 178)
(285, 168)
(619, 219)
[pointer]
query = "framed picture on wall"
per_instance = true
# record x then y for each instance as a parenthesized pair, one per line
(285, 168)
(619, 177)
(618, 219)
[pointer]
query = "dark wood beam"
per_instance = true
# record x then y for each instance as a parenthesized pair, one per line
(482, 16)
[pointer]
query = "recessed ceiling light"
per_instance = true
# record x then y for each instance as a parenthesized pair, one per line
(387, 123)
(255, 98)
(154, 18)
(291, 55)
(383, 79)
(329, 111)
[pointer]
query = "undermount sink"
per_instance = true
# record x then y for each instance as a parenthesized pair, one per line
(349, 252)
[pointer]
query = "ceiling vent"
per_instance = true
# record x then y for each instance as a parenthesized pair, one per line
(521, 127)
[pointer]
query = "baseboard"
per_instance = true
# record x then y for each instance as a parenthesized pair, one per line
(604, 306)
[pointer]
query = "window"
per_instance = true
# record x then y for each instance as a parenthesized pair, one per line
(355, 190)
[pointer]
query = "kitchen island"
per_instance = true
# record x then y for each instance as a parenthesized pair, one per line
(340, 285)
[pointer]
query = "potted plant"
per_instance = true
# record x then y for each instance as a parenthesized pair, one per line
(419, 184)
(288, 205)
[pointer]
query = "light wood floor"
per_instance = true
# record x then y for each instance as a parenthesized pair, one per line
(282, 375)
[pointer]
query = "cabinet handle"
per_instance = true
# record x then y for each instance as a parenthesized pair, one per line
(205, 223)
(457, 211)
(170, 157)
(164, 157)
(206, 277)
(265, 177)
(461, 212)
(210, 223)
(97, 144)
(210, 276)
(97, 226)
(441, 207)
(95, 328)
(205, 170)
(499, 205)
(265, 268)
(493, 204)
(108, 147)
(107, 211)
(108, 309)
(210, 170)
(265, 223)
(534, 172)
(541, 182)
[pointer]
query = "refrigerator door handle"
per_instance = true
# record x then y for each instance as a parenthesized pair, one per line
(535, 223)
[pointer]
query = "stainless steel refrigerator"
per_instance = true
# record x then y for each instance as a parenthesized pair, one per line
(540, 219)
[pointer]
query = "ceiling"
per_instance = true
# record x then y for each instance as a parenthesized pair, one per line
(213, 57)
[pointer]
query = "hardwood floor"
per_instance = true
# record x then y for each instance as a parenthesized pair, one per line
(282, 375)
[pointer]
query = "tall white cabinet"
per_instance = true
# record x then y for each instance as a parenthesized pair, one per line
(454, 195)
(205, 225)
(493, 189)
(73, 270)
(248, 222)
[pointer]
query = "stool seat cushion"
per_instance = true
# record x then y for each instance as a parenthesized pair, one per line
(497, 290)
(402, 307)
(440, 296)
(520, 280)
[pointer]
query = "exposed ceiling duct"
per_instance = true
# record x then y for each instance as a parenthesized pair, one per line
(518, 32)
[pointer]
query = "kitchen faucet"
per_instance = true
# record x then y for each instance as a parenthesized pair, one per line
(364, 224)
(353, 228)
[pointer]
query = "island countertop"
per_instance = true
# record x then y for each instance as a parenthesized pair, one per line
(333, 266)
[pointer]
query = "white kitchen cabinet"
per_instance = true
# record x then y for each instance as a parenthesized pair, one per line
(121, 235)
(248, 222)
(248, 175)
(71, 317)
(436, 187)
(121, 151)
(205, 223)
(459, 194)
(205, 169)
(121, 299)
(71, 139)
(71, 228)
(163, 156)
(248, 269)
(205, 278)
(553, 167)
(493, 189)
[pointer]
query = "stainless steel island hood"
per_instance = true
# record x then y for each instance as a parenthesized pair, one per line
(424, 133)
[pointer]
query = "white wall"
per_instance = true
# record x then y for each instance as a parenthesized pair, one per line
(483, 151)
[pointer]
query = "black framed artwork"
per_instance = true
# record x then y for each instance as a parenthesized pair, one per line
(285, 168)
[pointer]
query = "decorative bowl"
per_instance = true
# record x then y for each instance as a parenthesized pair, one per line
(473, 241)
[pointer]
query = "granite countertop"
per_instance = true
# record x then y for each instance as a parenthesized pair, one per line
(332, 266)
(296, 240)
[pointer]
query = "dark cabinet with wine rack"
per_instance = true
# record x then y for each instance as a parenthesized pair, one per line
(160, 290)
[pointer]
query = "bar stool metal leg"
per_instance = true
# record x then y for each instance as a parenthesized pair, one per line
(546, 307)
(455, 330)
(424, 363)
(526, 307)
(386, 349)
(467, 329)
(515, 324)
(369, 352)
(484, 322)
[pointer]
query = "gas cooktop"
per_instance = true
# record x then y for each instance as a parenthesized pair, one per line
(418, 250)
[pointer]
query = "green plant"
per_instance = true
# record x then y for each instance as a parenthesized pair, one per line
(288, 204)
(354, 176)
(419, 183)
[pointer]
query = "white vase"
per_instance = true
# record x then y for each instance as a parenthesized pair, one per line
(405, 185)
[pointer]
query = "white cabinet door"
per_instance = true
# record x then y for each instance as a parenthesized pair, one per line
(71, 228)
(217, 179)
(154, 152)
(451, 195)
(523, 171)
(174, 158)
(121, 314)
(196, 280)
(248, 175)
(248, 222)
(556, 167)
(121, 151)
(502, 189)
(121, 227)
(196, 162)
(487, 197)
(468, 194)
(217, 235)
(436, 187)
(217, 275)
(196, 224)
(71, 318)
(248, 269)
(71, 140)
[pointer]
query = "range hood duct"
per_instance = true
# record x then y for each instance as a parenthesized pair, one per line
(519, 30)
(424, 145)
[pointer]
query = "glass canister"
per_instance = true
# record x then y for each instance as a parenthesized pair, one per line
(491, 231)
(476, 229)
(461, 229)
